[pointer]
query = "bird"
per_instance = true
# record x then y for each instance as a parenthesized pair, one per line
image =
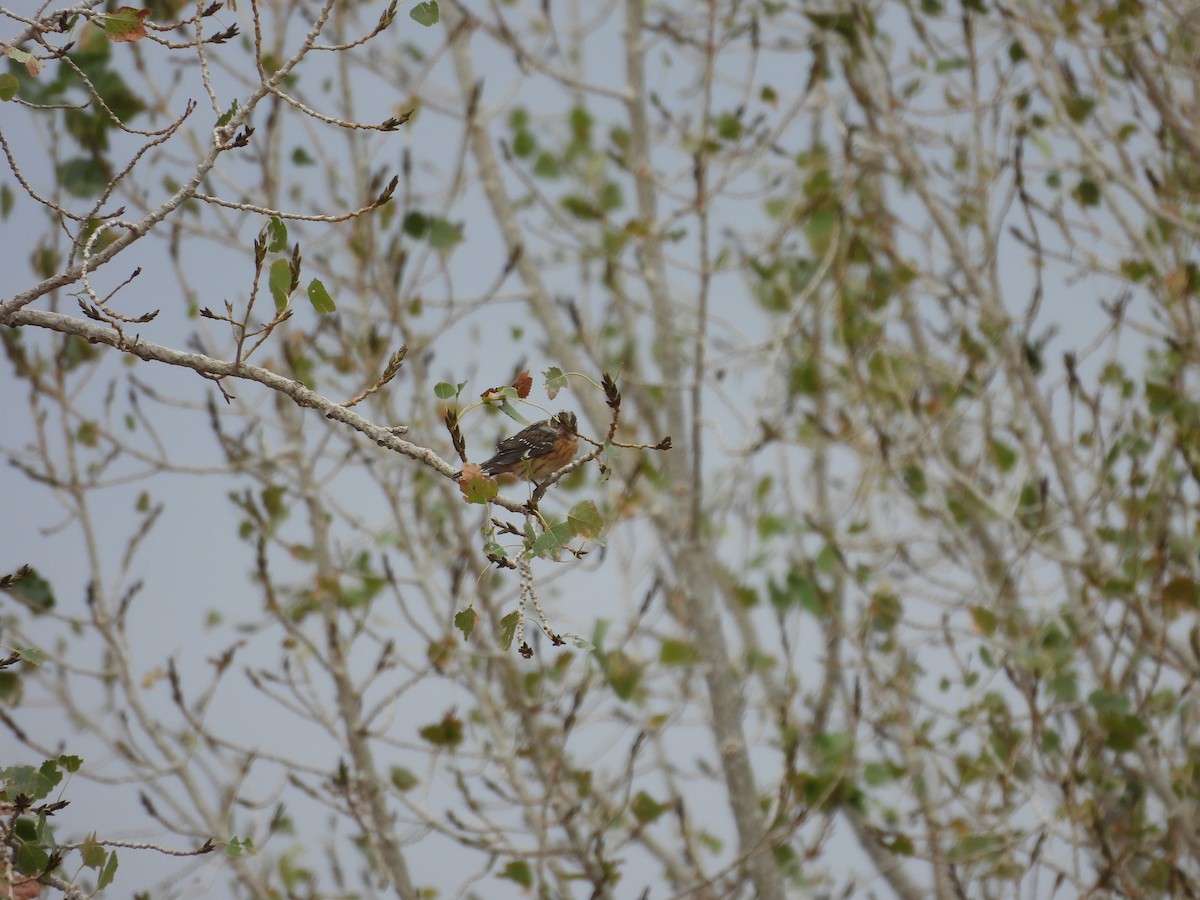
(536, 452)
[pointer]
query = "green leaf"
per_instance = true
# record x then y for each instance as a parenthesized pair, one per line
(551, 540)
(1005, 456)
(786, 861)
(585, 520)
(899, 844)
(126, 24)
(524, 143)
(512, 412)
(729, 126)
(34, 590)
(9, 85)
(33, 655)
(878, 774)
(416, 225)
(82, 177)
(45, 262)
(1065, 687)
(581, 124)
(1087, 192)
(280, 282)
(1107, 701)
(581, 207)
(1181, 592)
(10, 688)
(949, 65)
(228, 114)
(71, 762)
(443, 234)
(236, 847)
(480, 490)
(426, 14)
(403, 779)
(108, 873)
(319, 297)
(546, 166)
(844, 24)
(985, 620)
(508, 629)
(30, 859)
(831, 748)
(623, 673)
(87, 433)
(645, 808)
(976, 846)
(518, 870)
(277, 229)
(820, 225)
(675, 652)
(94, 855)
(611, 197)
(466, 620)
(446, 733)
(33, 783)
(444, 390)
(1078, 107)
(797, 589)
(555, 381)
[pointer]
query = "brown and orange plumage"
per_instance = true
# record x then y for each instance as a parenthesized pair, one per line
(536, 452)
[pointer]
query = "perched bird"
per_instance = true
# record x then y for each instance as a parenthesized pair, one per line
(536, 452)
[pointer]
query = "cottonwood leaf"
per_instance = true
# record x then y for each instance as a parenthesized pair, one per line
(126, 24)
(426, 14)
(585, 520)
(280, 282)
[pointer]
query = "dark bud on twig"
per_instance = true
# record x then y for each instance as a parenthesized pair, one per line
(460, 445)
(388, 191)
(386, 18)
(611, 394)
(295, 267)
(502, 561)
(221, 37)
(394, 364)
